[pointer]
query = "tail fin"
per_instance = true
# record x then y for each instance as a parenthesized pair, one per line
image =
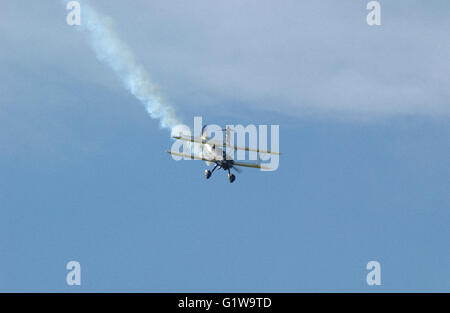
(227, 133)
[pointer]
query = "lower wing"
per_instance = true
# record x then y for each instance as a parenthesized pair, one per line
(194, 157)
(253, 165)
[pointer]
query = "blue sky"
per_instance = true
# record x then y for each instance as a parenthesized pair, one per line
(363, 114)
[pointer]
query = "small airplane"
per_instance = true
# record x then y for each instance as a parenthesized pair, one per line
(214, 152)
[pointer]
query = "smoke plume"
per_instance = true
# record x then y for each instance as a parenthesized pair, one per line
(112, 51)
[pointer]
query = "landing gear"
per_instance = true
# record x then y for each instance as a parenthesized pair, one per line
(231, 177)
(209, 173)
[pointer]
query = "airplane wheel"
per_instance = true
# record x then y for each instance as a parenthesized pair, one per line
(231, 177)
(207, 174)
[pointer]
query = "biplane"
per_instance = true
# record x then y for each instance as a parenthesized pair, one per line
(215, 152)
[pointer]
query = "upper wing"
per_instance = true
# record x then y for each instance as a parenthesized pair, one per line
(203, 141)
(254, 165)
(193, 157)
(251, 149)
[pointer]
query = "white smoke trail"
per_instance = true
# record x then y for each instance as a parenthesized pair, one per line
(111, 50)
